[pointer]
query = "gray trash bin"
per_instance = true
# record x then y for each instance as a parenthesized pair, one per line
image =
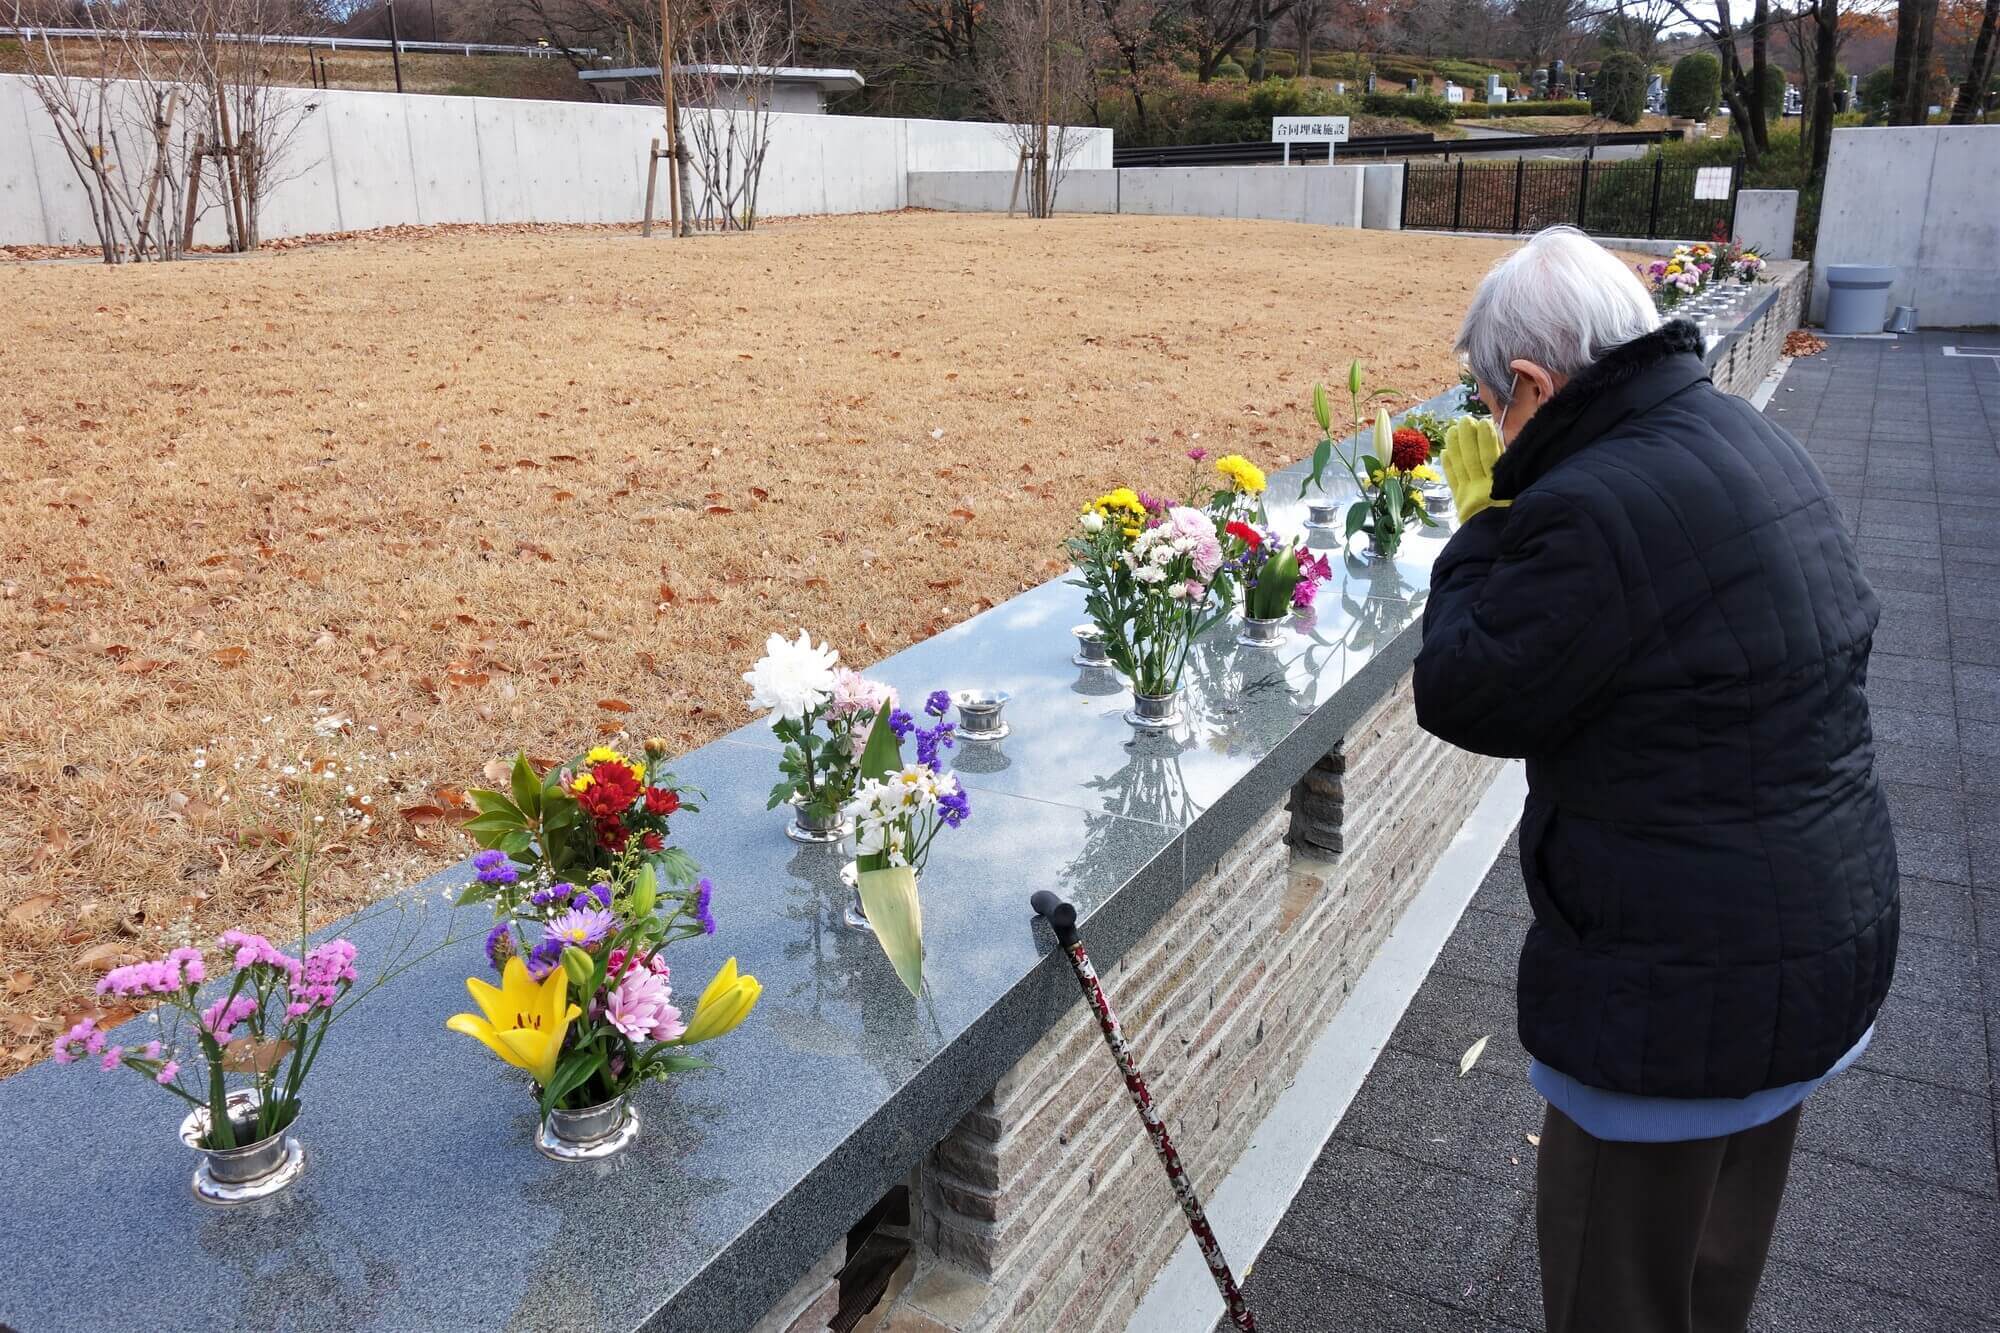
(1857, 297)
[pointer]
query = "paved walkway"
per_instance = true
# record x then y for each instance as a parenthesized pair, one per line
(1419, 1215)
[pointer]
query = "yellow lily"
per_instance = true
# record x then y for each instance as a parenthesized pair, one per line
(727, 1002)
(524, 1020)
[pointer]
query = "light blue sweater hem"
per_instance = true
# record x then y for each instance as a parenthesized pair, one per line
(1621, 1117)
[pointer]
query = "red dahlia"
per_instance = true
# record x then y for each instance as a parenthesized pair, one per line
(1412, 449)
(1246, 534)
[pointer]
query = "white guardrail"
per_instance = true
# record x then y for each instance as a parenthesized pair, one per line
(330, 43)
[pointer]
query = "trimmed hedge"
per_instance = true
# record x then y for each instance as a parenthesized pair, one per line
(1620, 90)
(1695, 90)
(1483, 111)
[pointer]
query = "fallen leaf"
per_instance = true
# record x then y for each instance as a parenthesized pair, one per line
(20, 983)
(230, 657)
(31, 907)
(104, 956)
(1534, 1140)
(422, 814)
(1471, 1056)
(614, 705)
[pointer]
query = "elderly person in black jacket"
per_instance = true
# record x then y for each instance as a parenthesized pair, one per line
(1652, 599)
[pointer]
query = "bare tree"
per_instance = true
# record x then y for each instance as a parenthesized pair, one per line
(1636, 25)
(1038, 78)
(251, 121)
(1910, 86)
(724, 79)
(116, 103)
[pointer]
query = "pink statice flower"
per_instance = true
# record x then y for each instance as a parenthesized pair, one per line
(639, 1007)
(253, 950)
(82, 1039)
(1197, 454)
(327, 971)
(151, 1050)
(168, 1072)
(113, 1057)
(219, 1020)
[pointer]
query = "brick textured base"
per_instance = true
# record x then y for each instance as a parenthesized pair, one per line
(1044, 1208)
(1751, 357)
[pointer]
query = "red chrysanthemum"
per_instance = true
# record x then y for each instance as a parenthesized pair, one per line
(662, 801)
(612, 790)
(653, 842)
(1246, 534)
(1412, 448)
(612, 835)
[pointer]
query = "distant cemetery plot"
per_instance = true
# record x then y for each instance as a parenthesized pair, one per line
(1636, 199)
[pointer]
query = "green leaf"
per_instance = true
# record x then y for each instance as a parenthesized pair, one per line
(1370, 465)
(889, 897)
(520, 840)
(475, 892)
(1357, 517)
(491, 802)
(680, 1064)
(883, 754)
(780, 794)
(499, 822)
(571, 1074)
(677, 867)
(1322, 455)
(527, 786)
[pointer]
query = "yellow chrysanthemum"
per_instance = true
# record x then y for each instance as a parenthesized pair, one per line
(638, 772)
(1425, 472)
(582, 782)
(604, 754)
(1243, 474)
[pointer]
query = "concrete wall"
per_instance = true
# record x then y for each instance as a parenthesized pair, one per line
(1925, 198)
(1331, 196)
(1765, 220)
(1093, 191)
(1382, 196)
(378, 159)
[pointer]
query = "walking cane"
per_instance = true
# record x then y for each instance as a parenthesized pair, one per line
(1061, 917)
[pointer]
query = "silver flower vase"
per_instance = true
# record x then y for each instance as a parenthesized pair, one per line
(591, 1133)
(250, 1171)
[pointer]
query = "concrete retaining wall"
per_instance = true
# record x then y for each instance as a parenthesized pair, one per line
(1925, 198)
(379, 159)
(1331, 196)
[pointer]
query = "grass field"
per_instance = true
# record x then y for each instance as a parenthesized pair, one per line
(407, 505)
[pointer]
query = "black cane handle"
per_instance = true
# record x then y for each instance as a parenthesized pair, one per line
(1060, 915)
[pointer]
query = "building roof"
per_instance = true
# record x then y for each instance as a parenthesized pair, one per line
(828, 80)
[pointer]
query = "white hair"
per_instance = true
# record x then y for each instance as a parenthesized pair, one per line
(1561, 301)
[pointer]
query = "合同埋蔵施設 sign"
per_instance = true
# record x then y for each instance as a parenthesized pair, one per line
(1309, 129)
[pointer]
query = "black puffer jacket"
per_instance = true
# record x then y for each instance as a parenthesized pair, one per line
(1671, 626)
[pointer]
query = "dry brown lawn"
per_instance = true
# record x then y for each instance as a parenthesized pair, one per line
(460, 494)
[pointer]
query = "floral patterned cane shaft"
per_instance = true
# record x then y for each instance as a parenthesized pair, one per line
(1142, 1097)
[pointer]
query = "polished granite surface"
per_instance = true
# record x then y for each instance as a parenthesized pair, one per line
(424, 1205)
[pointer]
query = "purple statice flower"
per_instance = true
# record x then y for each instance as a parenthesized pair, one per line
(937, 703)
(954, 808)
(1197, 454)
(555, 895)
(326, 974)
(544, 956)
(930, 739)
(901, 723)
(500, 945)
(703, 893)
(581, 927)
(82, 1039)
(493, 867)
(255, 950)
(601, 892)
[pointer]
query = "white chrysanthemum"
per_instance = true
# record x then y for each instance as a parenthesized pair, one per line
(793, 678)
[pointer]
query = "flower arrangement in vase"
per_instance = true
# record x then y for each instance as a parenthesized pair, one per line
(1148, 573)
(898, 811)
(269, 1024)
(1277, 580)
(1237, 500)
(237, 1041)
(585, 1004)
(580, 819)
(823, 713)
(1386, 483)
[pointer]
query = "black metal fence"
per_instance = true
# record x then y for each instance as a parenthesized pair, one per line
(1644, 198)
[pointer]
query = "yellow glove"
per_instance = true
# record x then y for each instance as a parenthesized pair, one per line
(1471, 447)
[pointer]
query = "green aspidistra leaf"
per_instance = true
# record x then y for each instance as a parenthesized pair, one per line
(889, 897)
(527, 785)
(883, 754)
